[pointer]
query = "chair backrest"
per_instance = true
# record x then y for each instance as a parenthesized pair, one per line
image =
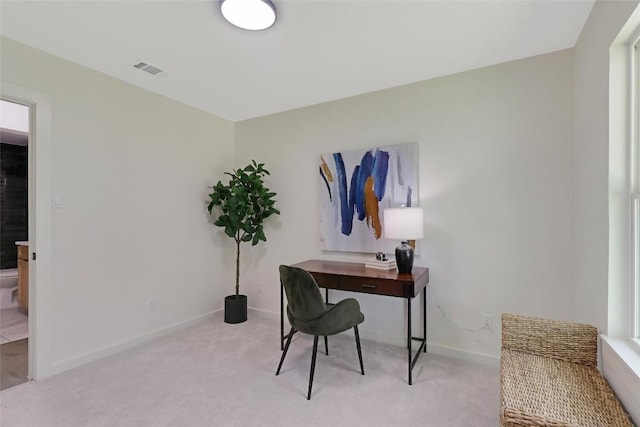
(303, 295)
(557, 339)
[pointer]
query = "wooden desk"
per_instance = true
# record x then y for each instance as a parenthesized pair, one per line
(355, 277)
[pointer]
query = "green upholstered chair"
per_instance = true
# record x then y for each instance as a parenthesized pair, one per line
(308, 313)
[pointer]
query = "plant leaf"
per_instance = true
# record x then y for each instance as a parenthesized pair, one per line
(245, 202)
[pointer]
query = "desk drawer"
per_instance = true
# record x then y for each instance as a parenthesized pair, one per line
(374, 286)
(367, 285)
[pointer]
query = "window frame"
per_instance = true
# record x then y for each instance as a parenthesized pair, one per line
(634, 182)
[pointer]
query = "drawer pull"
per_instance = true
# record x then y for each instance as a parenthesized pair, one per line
(369, 286)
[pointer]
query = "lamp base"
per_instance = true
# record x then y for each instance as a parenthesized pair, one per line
(404, 257)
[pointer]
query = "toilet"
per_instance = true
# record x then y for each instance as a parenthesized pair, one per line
(8, 287)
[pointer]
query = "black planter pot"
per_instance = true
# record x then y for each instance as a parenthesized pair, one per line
(235, 309)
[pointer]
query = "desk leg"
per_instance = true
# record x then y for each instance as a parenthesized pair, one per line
(424, 317)
(423, 341)
(326, 340)
(409, 337)
(281, 317)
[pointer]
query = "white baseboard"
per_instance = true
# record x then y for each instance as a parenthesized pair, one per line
(108, 350)
(469, 356)
(398, 341)
(266, 314)
(432, 347)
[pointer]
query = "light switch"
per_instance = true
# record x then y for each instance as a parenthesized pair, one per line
(57, 201)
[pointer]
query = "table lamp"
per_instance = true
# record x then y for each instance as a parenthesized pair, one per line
(405, 224)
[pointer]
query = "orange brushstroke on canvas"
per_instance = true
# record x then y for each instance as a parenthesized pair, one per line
(371, 207)
(326, 170)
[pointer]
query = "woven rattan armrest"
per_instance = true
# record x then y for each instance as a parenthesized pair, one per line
(573, 342)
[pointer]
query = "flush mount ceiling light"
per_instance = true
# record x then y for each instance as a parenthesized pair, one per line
(249, 14)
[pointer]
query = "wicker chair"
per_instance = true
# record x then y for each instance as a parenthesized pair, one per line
(548, 376)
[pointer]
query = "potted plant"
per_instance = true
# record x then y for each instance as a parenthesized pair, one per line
(244, 203)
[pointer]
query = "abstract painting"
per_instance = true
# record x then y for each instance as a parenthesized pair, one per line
(356, 186)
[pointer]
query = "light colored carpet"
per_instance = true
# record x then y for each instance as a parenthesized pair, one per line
(215, 374)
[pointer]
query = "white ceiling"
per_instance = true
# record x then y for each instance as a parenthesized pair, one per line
(318, 50)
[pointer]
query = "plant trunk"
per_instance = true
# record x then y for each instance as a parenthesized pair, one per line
(238, 268)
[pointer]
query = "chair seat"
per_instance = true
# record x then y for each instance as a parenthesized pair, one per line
(338, 318)
(546, 391)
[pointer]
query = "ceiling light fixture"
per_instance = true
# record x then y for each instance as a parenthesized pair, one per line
(249, 14)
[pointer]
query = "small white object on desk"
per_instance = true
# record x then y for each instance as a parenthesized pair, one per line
(389, 264)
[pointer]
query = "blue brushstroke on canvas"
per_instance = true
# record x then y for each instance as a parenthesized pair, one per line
(353, 190)
(362, 174)
(346, 211)
(379, 173)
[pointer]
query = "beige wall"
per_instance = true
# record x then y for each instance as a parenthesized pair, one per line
(132, 170)
(496, 185)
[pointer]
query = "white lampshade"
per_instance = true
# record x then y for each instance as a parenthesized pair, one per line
(403, 223)
(249, 14)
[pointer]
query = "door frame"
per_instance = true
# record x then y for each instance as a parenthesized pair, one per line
(40, 150)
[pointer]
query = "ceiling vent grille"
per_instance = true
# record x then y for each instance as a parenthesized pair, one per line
(151, 69)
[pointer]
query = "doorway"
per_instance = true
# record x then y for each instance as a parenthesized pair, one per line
(14, 242)
(41, 310)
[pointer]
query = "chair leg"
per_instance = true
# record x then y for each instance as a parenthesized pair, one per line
(355, 328)
(326, 345)
(286, 347)
(313, 364)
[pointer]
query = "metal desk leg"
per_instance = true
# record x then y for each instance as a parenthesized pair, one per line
(326, 340)
(424, 317)
(409, 337)
(281, 317)
(423, 341)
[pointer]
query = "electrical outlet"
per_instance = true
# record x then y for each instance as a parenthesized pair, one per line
(487, 321)
(152, 304)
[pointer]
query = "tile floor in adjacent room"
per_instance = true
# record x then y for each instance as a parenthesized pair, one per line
(14, 325)
(14, 331)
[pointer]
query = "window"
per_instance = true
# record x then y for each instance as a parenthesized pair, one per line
(624, 186)
(621, 344)
(635, 191)
(635, 309)
(634, 168)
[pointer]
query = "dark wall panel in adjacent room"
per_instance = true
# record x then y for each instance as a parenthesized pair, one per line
(13, 201)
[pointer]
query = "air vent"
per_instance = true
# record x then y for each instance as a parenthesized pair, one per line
(151, 69)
